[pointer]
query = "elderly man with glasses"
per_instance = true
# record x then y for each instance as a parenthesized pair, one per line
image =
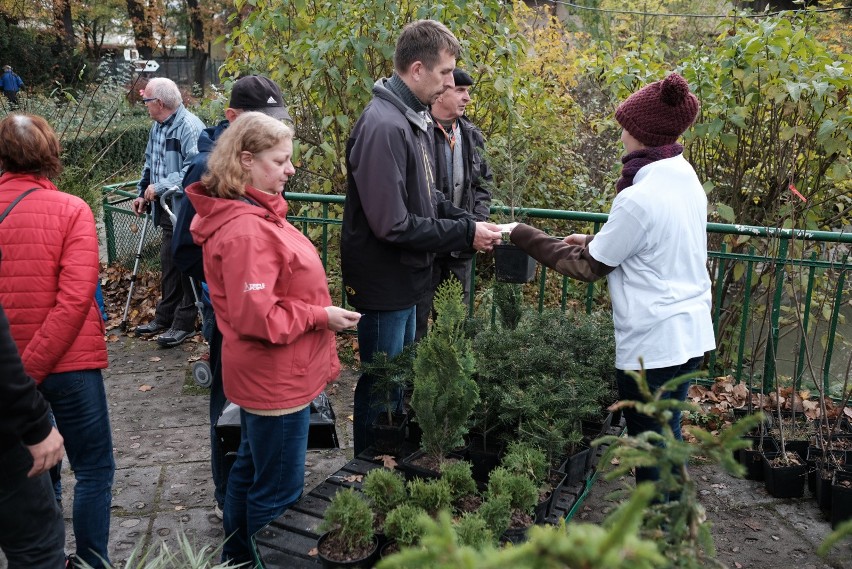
(172, 144)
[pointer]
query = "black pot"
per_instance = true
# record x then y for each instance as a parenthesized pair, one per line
(752, 458)
(823, 489)
(784, 481)
(800, 447)
(483, 459)
(841, 497)
(512, 264)
(364, 562)
(575, 465)
(412, 471)
(812, 461)
(389, 439)
(515, 535)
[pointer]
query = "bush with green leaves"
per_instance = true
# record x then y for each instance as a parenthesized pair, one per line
(348, 520)
(385, 489)
(496, 511)
(405, 524)
(161, 556)
(472, 531)
(430, 495)
(445, 392)
(521, 490)
(526, 460)
(390, 376)
(459, 478)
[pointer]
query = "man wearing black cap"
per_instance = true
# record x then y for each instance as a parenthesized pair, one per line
(250, 93)
(462, 175)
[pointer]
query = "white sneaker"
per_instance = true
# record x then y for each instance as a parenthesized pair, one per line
(218, 511)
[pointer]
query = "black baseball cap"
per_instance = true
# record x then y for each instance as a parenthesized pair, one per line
(259, 93)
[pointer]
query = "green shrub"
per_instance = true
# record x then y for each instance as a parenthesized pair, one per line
(497, 513)
(521, 491)
(526, 460)
(385, 488)
(430, 495)
(459, 477)
(349, 520)
(473, 531)
(405, 524)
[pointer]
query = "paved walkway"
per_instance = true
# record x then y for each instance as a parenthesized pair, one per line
(162, 483)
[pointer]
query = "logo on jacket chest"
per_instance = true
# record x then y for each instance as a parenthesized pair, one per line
(254, 286)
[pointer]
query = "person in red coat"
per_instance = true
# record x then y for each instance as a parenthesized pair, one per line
(270, 294)
(48, 275)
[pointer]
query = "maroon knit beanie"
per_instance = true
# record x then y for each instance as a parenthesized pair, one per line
(659, 113)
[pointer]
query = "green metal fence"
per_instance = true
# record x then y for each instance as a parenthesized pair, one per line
(781, 297)
(124, 228)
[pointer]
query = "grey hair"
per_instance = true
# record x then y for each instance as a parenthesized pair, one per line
(166, 91)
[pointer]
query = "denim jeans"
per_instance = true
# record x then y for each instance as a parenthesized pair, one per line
(217, 405)
(267, 477)
(638, 422)
(378, 331)
(78, 401)
(32, 531)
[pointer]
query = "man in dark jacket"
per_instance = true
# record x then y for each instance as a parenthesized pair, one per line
(395, 220)
(250, 93)
(32, 530)
(462, 175)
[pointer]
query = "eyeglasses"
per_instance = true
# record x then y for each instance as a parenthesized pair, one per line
(149, 99)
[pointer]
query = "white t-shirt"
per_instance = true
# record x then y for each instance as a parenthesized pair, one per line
(656, 237)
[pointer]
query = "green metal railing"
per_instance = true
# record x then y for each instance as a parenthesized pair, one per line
(775, 260)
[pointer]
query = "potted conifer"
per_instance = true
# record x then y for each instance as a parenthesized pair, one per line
(349, 540)
(445, 392)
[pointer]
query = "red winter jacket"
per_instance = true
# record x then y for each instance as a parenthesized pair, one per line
(48, 274)
(269, 292)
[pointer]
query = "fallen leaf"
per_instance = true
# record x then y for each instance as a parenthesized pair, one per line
(738, 565)
(313, 552)
(180, 508)
(614, 462)
(154, 359)
(350, 418)
(112, 338)
(387, 461)
(353, 478)
(145, 388)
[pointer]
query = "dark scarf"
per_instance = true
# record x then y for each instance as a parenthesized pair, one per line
(634, 161)
(401, 90)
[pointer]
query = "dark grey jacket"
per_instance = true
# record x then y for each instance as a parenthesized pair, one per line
(394, 220)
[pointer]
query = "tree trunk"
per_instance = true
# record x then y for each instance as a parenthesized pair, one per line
(142, 31)
(62, 22)
(198, 45)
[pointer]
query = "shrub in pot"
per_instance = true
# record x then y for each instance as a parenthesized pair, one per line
(459, 477)
(472, 531)
(349, 540)
(445, 392)
(386, 491)
(522, 495)
(404, 527)
(431, 496)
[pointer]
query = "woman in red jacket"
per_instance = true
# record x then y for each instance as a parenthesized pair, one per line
(272, 304)
(48, 274)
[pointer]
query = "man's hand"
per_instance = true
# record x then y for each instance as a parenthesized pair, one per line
(487, 235)
(140, 205)
(576, 239)
(340, 318)
(46, 453)
(151, 193)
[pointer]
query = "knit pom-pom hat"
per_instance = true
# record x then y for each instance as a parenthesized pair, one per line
(659, 113)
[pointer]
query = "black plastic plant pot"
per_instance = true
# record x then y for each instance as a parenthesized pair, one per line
(823, 484)
(752, 458)
(512, 264)
(812, 461)
(411, 470)
(515, 535)
(841, 497)
(483, 459)
(365, 561)
(784, 481)
(575, 465)
(389, 439)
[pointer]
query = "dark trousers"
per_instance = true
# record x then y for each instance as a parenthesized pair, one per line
(177, 308)
(32, 531)
(443, 269)
(217, 405)
(12, 96)
(638, 422)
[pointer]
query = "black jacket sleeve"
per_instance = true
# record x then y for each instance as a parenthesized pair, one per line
(23, 411)
(186, 254)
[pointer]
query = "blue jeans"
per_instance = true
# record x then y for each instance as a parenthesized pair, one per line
(638, 422)
(32, 531)
(267, 477)
(78, 401)
(378, 331)
(217, 405)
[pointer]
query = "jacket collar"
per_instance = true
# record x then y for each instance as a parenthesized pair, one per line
(421, 121)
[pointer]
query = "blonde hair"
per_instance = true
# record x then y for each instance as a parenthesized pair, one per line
(251, 132)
